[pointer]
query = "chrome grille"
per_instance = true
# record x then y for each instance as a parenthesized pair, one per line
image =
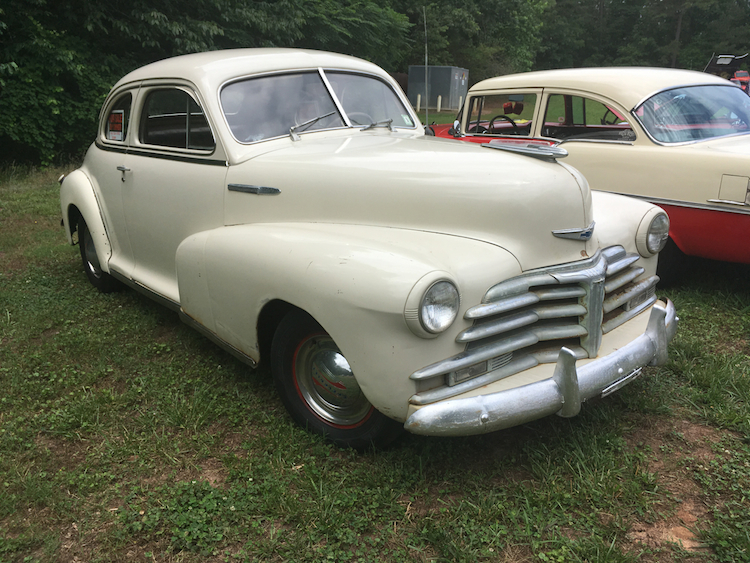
(524, 321)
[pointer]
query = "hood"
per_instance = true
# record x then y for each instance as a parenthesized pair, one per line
(419, 183)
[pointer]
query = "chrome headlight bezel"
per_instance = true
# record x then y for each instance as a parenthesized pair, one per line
(653, 232)
(433, 305)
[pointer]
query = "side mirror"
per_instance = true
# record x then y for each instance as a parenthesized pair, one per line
(456, 129)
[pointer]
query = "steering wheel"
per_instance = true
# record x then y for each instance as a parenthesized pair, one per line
(476, 128)
(491, 126)
(360, 115)
(613, 120)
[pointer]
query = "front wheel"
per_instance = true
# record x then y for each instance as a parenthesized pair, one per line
(319, 389)
(98, 277)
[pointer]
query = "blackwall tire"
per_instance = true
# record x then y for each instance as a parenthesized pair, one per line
(319, 389)
(97, 277)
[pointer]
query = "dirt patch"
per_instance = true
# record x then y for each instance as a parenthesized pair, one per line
(671, 442)
(66, 454)
(678, 529)
(213, 471)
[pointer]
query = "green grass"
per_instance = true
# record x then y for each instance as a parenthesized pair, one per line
(124, 435)
(438, 118)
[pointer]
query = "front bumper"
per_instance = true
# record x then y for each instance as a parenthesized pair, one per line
(561, 394)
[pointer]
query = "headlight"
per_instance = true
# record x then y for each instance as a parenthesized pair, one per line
(432, 305)
(439, 307)
(653, 232)
(658, 233)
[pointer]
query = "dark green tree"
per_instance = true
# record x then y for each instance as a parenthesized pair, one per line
(58, 59)
(489, 37)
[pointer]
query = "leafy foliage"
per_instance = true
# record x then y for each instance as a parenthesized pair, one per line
(59, 59)
(489, 37)
(667, 33)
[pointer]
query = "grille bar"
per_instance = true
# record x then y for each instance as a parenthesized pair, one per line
(616, 300)
(525, 321)
(516, 321)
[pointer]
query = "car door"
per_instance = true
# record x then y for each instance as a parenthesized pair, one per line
(173, 182)
(105, 172)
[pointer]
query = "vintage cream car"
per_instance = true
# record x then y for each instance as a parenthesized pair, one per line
(289, 206)
(676, 138)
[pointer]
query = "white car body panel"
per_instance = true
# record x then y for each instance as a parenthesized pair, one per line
(352, 226)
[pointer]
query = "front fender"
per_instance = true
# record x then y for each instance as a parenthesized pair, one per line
(354, 280)
(77, 196)
(617, 220)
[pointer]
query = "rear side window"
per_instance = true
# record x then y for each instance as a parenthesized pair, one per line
(576, 117)
(116, 126)
(172, 118)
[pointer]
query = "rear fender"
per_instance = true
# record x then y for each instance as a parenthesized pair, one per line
(77, 199)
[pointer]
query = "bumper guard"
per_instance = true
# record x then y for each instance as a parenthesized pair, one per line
(561, 394)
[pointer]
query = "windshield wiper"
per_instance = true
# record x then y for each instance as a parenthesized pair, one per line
(385, 123)
(293, 128)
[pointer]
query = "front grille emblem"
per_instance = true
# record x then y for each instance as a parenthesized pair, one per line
(576, 234)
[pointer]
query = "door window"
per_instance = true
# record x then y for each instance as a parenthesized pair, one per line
(501, 114)
(172, 118)
(576, 117)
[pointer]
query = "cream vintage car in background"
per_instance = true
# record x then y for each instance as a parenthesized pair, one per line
(289, 206)
(676, 138)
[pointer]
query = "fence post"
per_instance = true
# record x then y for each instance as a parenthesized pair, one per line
(419, 101)
(440, 103)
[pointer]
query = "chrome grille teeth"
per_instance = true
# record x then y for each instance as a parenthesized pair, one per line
(524, 321)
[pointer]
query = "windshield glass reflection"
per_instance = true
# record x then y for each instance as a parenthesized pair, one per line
(695, 113)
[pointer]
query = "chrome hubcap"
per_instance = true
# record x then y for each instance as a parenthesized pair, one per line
(327, 384)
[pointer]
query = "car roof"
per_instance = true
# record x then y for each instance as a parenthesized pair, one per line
(216, 67)
(627, 85)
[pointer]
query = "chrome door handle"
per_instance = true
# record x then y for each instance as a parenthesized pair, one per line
(123, 169)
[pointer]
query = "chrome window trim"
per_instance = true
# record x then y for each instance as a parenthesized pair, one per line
(597, 141)
(336, 101)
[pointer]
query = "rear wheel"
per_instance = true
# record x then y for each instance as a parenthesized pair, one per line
(319, 389)
(98, 277)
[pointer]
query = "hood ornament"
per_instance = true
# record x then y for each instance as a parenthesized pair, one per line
(576, 234)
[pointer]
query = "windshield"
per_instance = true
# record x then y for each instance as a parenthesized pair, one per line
(695, 113)
(291, 104)
(367, 100)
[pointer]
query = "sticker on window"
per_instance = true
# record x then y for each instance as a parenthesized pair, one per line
(114, 126)
(406, 119)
